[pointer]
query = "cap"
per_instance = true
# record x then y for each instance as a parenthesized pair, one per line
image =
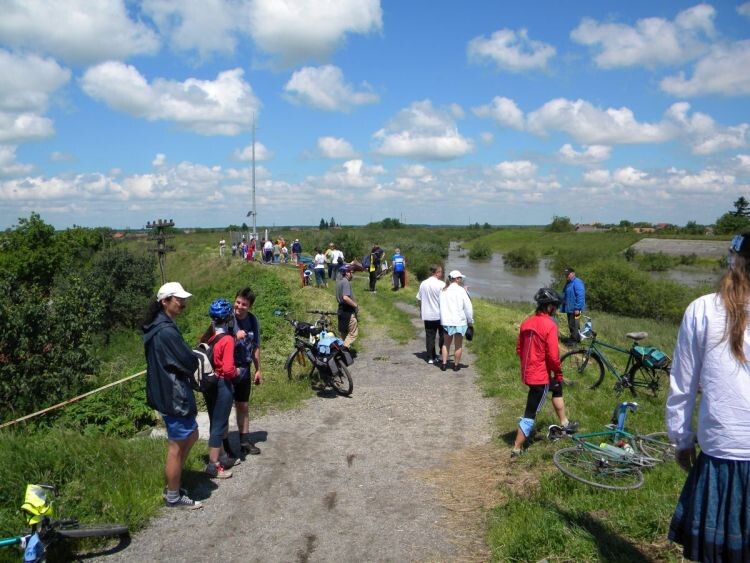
(172, 289)
(296, 240)
(569, 270)
(455, 274)
(741, 244)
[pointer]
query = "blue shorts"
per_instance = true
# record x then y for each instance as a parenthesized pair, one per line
(179, 427)
(451, 330)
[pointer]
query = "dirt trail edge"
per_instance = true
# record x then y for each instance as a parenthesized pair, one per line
(374, 477)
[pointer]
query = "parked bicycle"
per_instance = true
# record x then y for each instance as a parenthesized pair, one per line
(646, 366)
(46, 531)
(614, 458)
(316, 348)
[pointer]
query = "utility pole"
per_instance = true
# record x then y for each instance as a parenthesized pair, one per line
(254, 211)
(158, 234)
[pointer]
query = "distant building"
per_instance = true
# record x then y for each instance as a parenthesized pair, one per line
(593, 228)
(644, 230)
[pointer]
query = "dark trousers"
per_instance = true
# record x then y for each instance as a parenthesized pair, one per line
(399, 279)
(219, 402)
(373, 279)
(431, 329)
(574, 325)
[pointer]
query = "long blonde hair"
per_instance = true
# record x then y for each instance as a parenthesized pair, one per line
(734, 289)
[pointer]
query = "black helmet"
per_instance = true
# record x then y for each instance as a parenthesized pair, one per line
(547, 296)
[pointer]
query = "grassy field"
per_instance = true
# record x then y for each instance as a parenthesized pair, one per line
(547, 514)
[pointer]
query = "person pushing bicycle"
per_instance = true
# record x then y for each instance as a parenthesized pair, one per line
(539, 353)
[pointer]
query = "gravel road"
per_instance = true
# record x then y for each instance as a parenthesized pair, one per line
(343, 479)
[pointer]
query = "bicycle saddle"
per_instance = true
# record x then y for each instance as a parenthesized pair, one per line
(637, 335)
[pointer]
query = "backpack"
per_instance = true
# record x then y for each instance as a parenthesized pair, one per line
(204, 377)
(652, 357)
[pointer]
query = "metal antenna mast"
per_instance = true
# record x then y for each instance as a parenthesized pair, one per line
(254, 211)
(158, 233)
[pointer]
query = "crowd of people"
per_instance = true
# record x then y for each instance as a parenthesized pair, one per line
(271, 251)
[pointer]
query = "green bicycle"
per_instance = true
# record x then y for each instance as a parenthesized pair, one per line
(613, 459)
(645, 369)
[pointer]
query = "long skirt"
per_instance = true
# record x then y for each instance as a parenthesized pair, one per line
(712, 518)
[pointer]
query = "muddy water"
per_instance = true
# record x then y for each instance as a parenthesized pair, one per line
(491, 279)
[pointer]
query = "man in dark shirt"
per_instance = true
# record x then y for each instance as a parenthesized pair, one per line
(347, 312)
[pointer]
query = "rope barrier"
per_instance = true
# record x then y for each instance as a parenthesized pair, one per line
(70, 401)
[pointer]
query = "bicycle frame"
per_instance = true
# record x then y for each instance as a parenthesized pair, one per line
(595, 348)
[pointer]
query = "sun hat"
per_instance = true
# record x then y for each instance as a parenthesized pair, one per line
(172, 289)
(455, 274)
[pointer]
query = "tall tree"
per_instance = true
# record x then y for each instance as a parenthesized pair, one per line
(741, 207)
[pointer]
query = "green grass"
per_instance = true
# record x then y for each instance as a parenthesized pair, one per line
(559, 518)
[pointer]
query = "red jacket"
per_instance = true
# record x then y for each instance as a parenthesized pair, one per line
(224, 365)
(538, 350)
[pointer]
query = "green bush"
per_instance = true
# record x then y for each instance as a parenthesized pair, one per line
(524, 258)
(656, 261)
(560, 225)
(480, 251)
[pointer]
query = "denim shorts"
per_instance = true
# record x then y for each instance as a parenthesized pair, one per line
(451, 330)
(179, 427)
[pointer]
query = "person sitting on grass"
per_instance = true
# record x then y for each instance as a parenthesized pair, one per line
(539, 353)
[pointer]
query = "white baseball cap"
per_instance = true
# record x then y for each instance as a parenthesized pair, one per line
(455, 274)
(172, 289)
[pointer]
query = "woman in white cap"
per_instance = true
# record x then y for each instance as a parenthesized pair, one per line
(456, 315)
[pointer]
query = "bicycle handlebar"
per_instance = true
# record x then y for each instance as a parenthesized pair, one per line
(318, 312)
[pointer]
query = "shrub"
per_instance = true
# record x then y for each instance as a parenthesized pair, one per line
(560, 225)
(480, 251)
(524, 258)
(656, 262)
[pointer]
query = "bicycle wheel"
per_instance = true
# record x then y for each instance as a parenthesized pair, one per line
(342, 383)
(93, 531)
(656, 445)
(597, 470)
(298, 366)
(653, 381)
(578, 368)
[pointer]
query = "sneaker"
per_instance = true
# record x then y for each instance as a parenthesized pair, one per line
(430, 361)
(455, 367)
(228, 461)
(570, 427)
(183, 492)
(217, 471)
(250, 448)
(184, 502)
(443, 367)
(514, 453)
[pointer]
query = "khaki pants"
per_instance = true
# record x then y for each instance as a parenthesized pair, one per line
(353, 333)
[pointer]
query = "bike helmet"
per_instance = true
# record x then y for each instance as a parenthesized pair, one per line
(345, 268)
(547, 296)
(220, 309)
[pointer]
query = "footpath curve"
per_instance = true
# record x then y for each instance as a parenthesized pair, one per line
(365, 478)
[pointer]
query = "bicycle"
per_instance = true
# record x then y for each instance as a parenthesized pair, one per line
(613, 459)
(645, 366)
(46, 532)
(316, 348)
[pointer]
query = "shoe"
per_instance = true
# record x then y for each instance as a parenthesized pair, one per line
(555, 432)
(184, 502)
(514, 453)
(430, 361)
(249, 448)
(183, 492)
(455, 367)
(443, 367)
(228, 461)
(571, 427)
(217, 471)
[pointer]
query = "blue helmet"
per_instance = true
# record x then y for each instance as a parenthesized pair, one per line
(220, 309)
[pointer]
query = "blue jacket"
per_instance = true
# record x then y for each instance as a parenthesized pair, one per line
(170, 364)
(574, 296)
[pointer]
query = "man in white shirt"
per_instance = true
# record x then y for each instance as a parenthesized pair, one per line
(337, 260)
(429, 301)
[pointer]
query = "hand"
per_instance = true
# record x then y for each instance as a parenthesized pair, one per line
(241, 334)
(685, 458)
(257, 379)
(577, 313)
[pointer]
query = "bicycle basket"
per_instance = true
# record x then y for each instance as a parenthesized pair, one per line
(37, 503)
(652, 357)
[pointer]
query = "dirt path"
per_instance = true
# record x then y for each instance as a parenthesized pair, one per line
(374, 477)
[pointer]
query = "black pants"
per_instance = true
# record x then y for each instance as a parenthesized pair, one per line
(431, 329)
(574, 325)
(399, 279)
(373, 279)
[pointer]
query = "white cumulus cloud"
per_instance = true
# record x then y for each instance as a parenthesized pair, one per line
(9, 166)
(651, 42)
(246, 154)
(309, 29)
(78, 31)
(353, 174)
(703, 134)
(503, 111)
(590, 155)
(332, 147)
(744, 9)
(324, 88)
(224, 106)
(422, 131)
(723, 71)
(510, 50)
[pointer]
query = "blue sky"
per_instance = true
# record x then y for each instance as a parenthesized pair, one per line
(118, 112)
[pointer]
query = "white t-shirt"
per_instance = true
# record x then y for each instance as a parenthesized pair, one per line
(268, 245)
(702, 360)
(429, 298)
(320, 261)
(335, 255)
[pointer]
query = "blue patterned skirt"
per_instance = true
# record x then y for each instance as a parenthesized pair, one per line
(712, 518)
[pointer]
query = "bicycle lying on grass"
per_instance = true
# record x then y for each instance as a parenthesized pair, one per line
(613, 459)
(646, 366)
(46, 532)
(315, 348)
